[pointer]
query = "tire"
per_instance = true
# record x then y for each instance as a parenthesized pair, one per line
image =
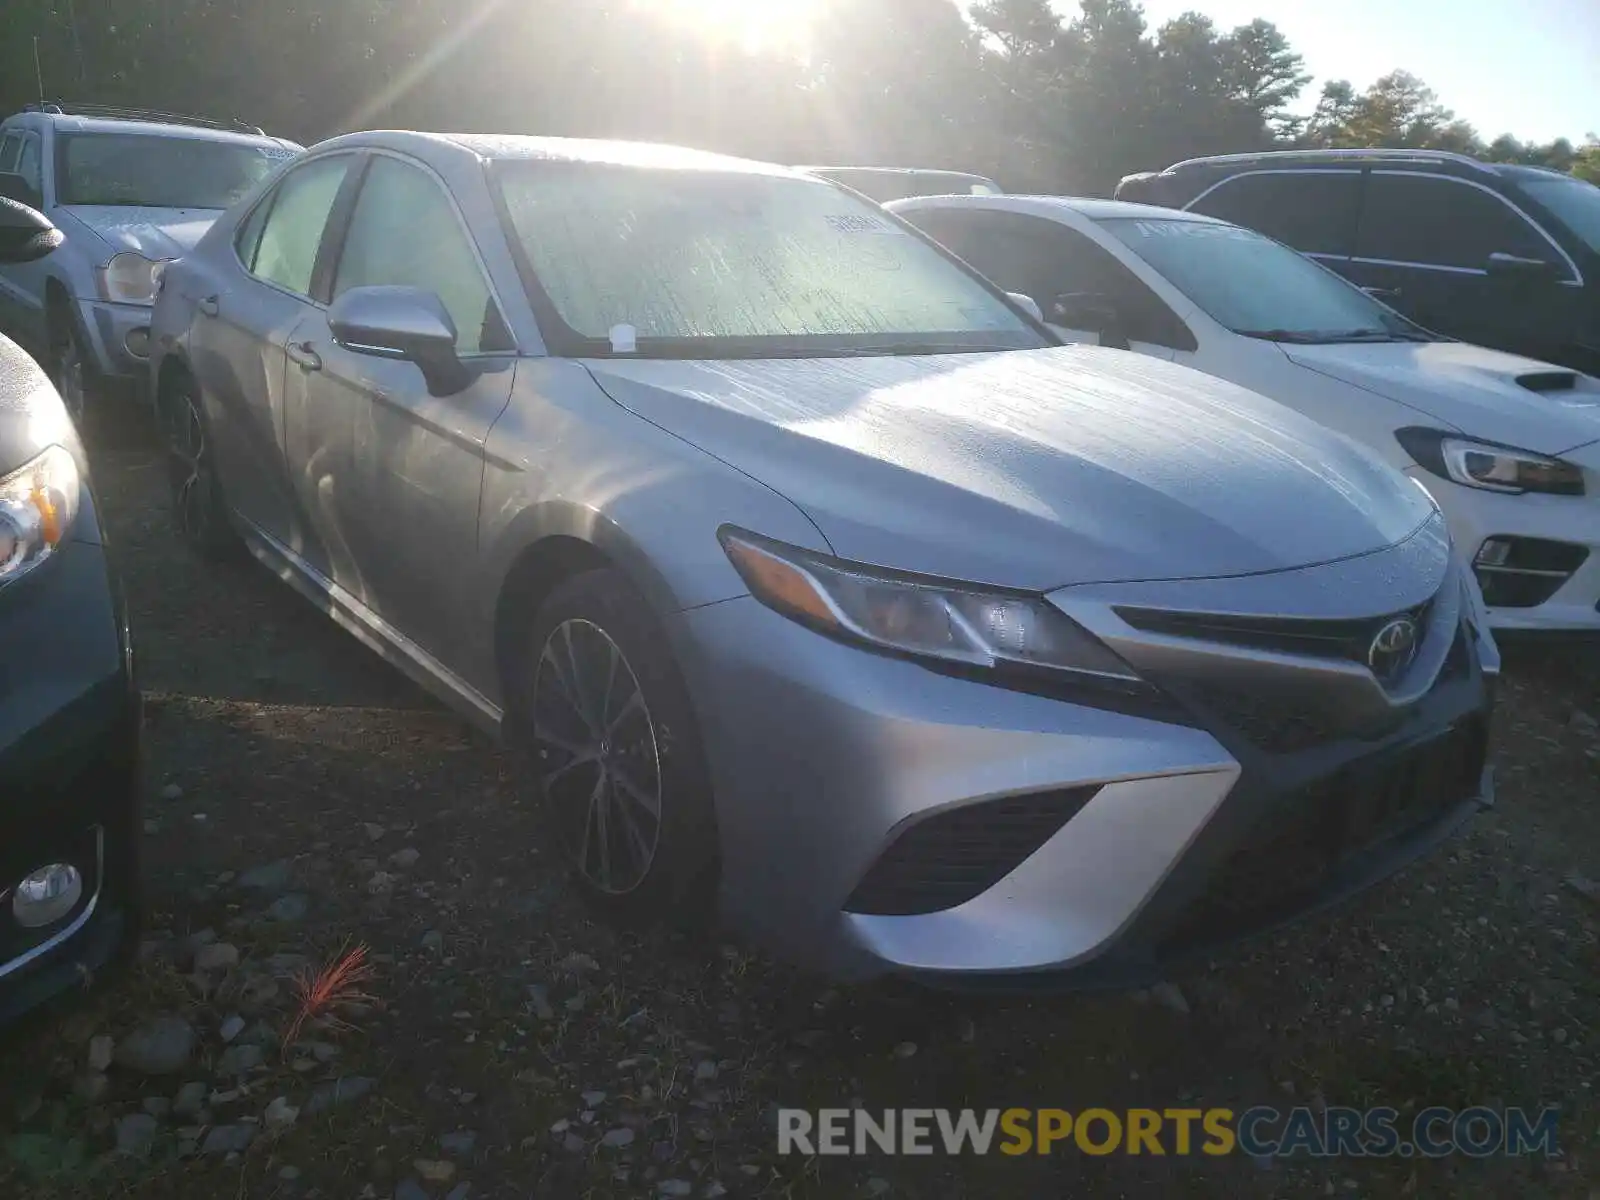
(70, 370)
(601, 717)
(199, 512)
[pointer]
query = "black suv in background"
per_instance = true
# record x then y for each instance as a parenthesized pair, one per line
(1504, 256)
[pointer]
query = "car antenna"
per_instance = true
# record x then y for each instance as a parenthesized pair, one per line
(38, 70)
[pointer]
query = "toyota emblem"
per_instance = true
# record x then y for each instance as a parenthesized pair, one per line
(1393, 648)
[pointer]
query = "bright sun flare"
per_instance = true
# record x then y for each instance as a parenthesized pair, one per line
(754, 24)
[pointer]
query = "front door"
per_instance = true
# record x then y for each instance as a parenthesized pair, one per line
(1425, 246)
(397, 472)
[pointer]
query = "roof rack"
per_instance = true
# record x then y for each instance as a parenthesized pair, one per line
(119, 112)
(1377, 154)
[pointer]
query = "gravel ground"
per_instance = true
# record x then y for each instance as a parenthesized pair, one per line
(305, 798)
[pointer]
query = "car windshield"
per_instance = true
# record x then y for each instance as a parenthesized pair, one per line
(1575, 202)
(731, 264)
(1258, 287)
(152, 171)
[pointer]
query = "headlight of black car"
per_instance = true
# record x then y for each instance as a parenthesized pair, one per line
(38, 504)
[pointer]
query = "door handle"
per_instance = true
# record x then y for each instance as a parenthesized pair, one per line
(302, 354)
(208, 305)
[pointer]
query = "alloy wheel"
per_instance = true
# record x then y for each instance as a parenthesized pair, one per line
(598, 757)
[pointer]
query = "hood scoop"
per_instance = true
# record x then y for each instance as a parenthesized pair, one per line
(1549, 381)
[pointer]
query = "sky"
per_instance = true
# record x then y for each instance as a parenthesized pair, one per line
(1530, 68)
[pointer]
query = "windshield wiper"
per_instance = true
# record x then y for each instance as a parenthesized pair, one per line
(1319, 337)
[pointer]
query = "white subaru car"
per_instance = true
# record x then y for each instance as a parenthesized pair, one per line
(1509, 447)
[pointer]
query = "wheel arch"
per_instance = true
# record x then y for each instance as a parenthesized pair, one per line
(549, 544)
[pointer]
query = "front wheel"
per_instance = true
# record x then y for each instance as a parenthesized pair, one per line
(606, 726)
(69, 370)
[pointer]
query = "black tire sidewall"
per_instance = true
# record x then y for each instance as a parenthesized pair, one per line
(218, 540)
(681, 879)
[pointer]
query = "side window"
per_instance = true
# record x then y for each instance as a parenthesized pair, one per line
(1438, 221)
(247, 240)
(28, 162)
(10, 147)
(292, 232)
(405, 232)
(1313, 211)
(1045, 259)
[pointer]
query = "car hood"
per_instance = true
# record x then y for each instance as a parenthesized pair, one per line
(1480, 392)
(1032, 469)
(156, 233)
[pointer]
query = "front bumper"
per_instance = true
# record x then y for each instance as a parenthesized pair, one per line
(1476, 516)
(826, 760)
(69, 772)
(113, 336)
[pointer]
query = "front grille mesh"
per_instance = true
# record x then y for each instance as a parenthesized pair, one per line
(1349, 640)
(1307, 838)
(956, 855)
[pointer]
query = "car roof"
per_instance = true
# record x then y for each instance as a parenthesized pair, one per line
(514, 147)
(1085, 206)
(70, 123)
(1443, 160)
(820, 170)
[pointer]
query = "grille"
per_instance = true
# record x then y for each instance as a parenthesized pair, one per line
(1289, 859)
(1344, 639)
(951, 857)
(1280, 725)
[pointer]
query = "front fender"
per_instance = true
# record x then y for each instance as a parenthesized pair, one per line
(565, 460)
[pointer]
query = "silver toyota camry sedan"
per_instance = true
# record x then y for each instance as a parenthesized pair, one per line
(822, 589)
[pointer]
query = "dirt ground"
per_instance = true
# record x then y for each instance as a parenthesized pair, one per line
(304, 797)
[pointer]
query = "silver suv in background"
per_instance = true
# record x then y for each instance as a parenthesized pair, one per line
(131, 190)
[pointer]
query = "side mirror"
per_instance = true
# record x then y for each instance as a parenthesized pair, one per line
(1093, 312)
(1512, 266)
(405, 323)
(1027, 304)
(15, 187)
(25, 233)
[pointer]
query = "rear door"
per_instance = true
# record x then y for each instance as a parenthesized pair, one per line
(1425, 242)
(393, 473)
(246, 310)
(1049, 261)
(1315, 210)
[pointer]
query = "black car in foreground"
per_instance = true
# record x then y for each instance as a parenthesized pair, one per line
(69, 707)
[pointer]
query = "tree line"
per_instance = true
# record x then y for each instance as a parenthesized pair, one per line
(1011, 89)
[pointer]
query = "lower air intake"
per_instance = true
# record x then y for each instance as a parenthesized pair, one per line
(953, 856)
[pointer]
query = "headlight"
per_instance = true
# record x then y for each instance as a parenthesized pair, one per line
(1488, 466)
(37, 507)
(924, 618)
(131, 278)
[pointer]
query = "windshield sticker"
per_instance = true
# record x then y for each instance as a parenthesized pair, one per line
(858, 223)
(624, 339)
